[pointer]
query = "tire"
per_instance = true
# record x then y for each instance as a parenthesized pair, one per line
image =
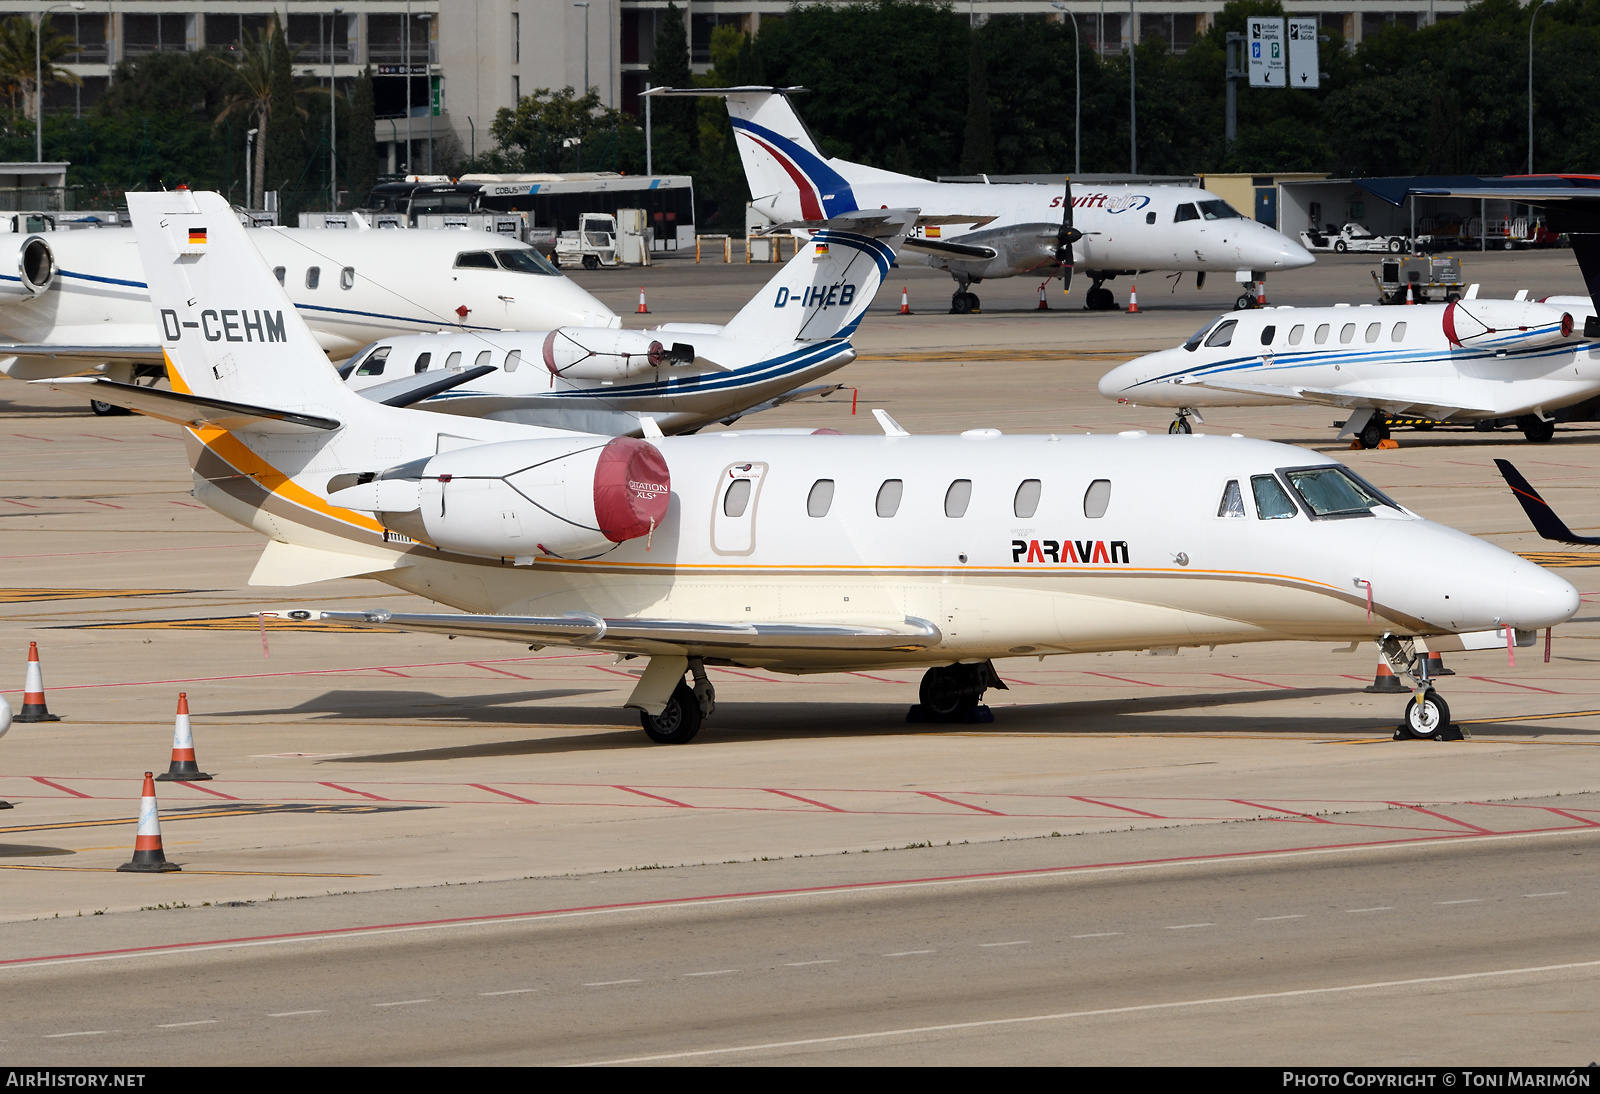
(973, 306)
(959, 304)
(591, 262)
(1244, 303)
(1373, 433)
(948, 690)
(678, 722)
(1396, 246)
(1428, 720)
(1535, 428)
(106, 410)
(1340, 246)
(1181, 425)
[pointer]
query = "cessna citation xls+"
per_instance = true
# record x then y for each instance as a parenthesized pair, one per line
(797, 554)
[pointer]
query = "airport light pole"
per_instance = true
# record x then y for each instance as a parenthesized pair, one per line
(1077, 78)
(333, 113)
(427, 47)
(584, 4)
(1531, 20)
(407, 38)
(1133, 92)
(77, 5)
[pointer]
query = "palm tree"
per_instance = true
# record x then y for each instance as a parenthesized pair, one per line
(254, 64)
(17, 58)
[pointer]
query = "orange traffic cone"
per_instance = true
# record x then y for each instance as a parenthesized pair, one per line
(183, 768)
(1043, 306)
(1411, 293)
(33, 705)
(905, 301)
(1385, 682)
(642, 310)
(1261, 294)
(1133, 299)
(1436, 665)
(147, 855)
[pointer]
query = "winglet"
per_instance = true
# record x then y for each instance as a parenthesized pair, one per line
(891, 428)
(1544, 518)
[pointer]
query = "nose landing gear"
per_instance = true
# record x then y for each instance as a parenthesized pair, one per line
(1180, 424)
(1427, 716)
(954, 694)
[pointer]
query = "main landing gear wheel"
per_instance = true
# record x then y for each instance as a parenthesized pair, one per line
(1098, 299)
(1374, 433)
(106, 410)
(678, 722)
(1244, 303)
(1535, 428)
(1180, 425)
(949, 691)
(963, 303)
(1427, 720)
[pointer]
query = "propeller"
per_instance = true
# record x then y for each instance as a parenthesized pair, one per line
(1064, 241)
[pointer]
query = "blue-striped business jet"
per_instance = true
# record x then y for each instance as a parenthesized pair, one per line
(76, 300)
(674, 378)
(1478, 361)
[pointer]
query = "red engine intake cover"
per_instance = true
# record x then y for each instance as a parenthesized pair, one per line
(631, 489)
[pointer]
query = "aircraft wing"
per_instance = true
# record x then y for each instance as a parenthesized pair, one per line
(940, 219)
(411, 390)
(189, 410)
(89, 354)
(1544, 518)
(1422, 406)
(641, 635)
(949, 250)
(873, 223)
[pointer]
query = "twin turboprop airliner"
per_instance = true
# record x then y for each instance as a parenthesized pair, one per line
(71, 301)
(798, 554)
(679, 376)
(1471, 360)
(976, 232)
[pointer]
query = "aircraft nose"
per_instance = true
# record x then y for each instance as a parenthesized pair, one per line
(1464, 584)
(1115, 384)
(1291, 255)
(1536, 598)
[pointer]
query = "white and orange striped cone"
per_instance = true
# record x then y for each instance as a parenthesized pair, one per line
(1411, 293)
(1385, 682)
(183, 768)
(147, 855)
(1436, 665)
(1043, 305)
(1261, 294)
(5, 724)
(642, 310)
(905, 301)
(33, 704)
(1133, 299)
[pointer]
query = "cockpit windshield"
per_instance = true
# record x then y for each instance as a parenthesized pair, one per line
(1218, 209)
(529, 261)
(1335, 492)
(1198, 336)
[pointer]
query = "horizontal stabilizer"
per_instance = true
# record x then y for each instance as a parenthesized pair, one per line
(290, 564)
(950, 250)
(411, 390)
(1544, 518)
(872, 223)
(88, 354)
(194, 411)
(643, 635)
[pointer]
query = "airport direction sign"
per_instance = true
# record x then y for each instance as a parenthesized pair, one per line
(1264, 52)
(1303, 68)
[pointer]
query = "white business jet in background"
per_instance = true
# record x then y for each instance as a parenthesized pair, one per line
(679, 376)
(977, 232)
(1478, 361)
(798, 554)
(72, 301)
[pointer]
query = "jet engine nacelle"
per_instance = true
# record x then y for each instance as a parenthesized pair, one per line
(35, 266)
(517, 499)
(599, 353)
(1505, 323)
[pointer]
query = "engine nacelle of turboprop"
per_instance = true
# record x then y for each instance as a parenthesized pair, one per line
(35, 266)
(1505, 323)
(600, 353)
(517, 499)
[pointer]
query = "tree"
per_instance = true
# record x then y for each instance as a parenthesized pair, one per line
(252, 100)
(669, 67)
(362, 159)
(549, 129)
(285, 143)
(977, 148)
(17, 58)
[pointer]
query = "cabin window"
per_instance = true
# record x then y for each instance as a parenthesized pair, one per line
(1096, 498)
(1185, 212)
(454, 360)
(513, 359)
(1336, 492)
(475, 260)
(1373, 330)
(1232, 504)
(482, 359)
(422, 362)
(1296, 333)
(528, 261)
(278, 272)
(1398, 334)
(1150, 217)
(820, 500)
(957, 498)
(1272, 501)
(1347, 334)
(1026, 502)
(1267, 335)
(373, 365)
(347, 277)
(1223, 335)
(1322, 334)
(737, 499)
(889, 497)
(313, 276)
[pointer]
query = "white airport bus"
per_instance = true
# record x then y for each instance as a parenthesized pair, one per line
(557, 201)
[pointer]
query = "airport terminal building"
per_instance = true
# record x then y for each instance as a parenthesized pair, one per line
(444, 69)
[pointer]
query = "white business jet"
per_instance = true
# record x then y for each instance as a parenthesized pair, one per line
(977, 232)
(71, 301)
(680, 376)
(797, 554)
(1480, 361)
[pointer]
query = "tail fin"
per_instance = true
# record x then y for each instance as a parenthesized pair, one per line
(228, 331)
(1544, 518)
(824, 290)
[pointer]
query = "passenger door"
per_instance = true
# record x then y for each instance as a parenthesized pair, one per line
(733, 517)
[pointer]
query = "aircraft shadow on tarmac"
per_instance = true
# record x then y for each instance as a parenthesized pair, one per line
(21, 850)
(14, 410)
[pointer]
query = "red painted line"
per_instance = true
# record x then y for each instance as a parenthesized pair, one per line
(58, 786)
(1509, 684)
(186, 504)
(502, 672)
(360, 793)
(394, 672)
(107, 504)
(1441, 816)
(808, 801)
(46, 440)
(1275, 809)
(964, 805)
(1124, 808)
(711, 898)
(1585, 821)
(96, 436)
(1248, 680)
(657, 797)
(25, 505)
(503, 794)
(208, 790)
(880, 679)
(1124, 679)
